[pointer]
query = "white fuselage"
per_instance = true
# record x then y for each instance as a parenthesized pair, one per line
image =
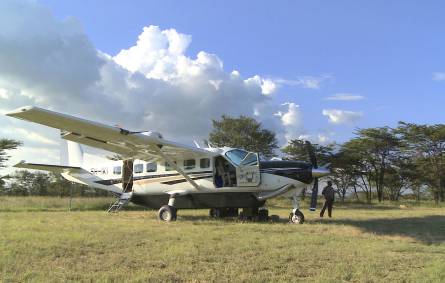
(155, 178)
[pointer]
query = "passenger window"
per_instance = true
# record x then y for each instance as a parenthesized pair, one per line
(117, 170)
(168, 167)
(189, 164)
(152, 167)
(204, 163)
(138, 168)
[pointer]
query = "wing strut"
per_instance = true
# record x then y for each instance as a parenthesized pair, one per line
(176, 167)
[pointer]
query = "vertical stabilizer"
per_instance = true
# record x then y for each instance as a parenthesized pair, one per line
(75, 154)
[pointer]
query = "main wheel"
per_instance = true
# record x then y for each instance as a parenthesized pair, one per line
(297, 217)
(212, 213)
(263, 215)
(232, 212)
(167, 213)
(217, 212)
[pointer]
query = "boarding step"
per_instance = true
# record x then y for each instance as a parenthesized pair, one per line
(122, 201)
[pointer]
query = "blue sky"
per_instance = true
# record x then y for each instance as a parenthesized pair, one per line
(314, 70)
(385, 51)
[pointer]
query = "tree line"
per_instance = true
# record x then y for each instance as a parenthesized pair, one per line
(380, 163)
(35, 183)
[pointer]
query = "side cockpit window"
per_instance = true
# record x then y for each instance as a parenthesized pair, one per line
(250, 160)
(236, 155)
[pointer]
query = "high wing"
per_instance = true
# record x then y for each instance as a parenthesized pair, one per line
(51, 168)
(148, 146)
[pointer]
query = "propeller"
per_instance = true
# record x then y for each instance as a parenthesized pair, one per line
(313, 160)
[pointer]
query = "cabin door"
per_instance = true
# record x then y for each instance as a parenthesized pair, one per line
(248, 172)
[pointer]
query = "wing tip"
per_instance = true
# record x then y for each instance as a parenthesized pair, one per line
(18, 111)
(19, 164)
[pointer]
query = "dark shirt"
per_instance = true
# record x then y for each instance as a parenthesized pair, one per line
(328, 193)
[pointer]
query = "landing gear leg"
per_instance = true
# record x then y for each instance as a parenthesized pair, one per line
(168, 212)
(296, 216)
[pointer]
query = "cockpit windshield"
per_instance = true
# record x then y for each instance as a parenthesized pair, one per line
(236, 155)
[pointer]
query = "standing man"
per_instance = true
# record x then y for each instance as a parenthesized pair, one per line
(328, 193)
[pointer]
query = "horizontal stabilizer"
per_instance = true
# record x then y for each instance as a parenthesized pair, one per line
(48, 167)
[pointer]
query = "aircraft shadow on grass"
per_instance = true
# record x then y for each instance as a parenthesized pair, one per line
(365, 206)
(207, 220)
(428, 229)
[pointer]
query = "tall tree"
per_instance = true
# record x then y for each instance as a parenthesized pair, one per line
(243, 132)
(297, 150)
(345, 174)
(395, 182)
(426, 144)
(7, 144)
(23, 183)
(374, 147)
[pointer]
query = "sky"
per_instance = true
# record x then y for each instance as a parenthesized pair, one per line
(305, 69)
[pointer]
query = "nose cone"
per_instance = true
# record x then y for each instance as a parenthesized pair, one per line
(320, 172)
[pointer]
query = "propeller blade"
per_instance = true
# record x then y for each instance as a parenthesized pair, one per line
(311, 153)
(314, 195)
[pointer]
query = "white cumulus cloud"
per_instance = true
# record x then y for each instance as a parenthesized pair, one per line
(439, 76)
(292, 120)
(336, 116)
(312, 82)
(152, 85)
(345, 97)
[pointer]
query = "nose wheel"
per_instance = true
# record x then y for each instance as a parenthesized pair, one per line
(167, 213)
(296, 217)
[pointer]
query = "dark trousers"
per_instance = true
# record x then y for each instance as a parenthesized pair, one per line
(327, 204)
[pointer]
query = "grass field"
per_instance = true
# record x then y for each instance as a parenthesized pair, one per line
(41, 241)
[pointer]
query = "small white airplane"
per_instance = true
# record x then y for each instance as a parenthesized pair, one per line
(168, 176)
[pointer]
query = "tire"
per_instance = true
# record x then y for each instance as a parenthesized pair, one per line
(232, 212)
(263, 215)
(167, 213)
(212, 213)
(297, 218)
(223, 212)
(217, 213)
(274, 218)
